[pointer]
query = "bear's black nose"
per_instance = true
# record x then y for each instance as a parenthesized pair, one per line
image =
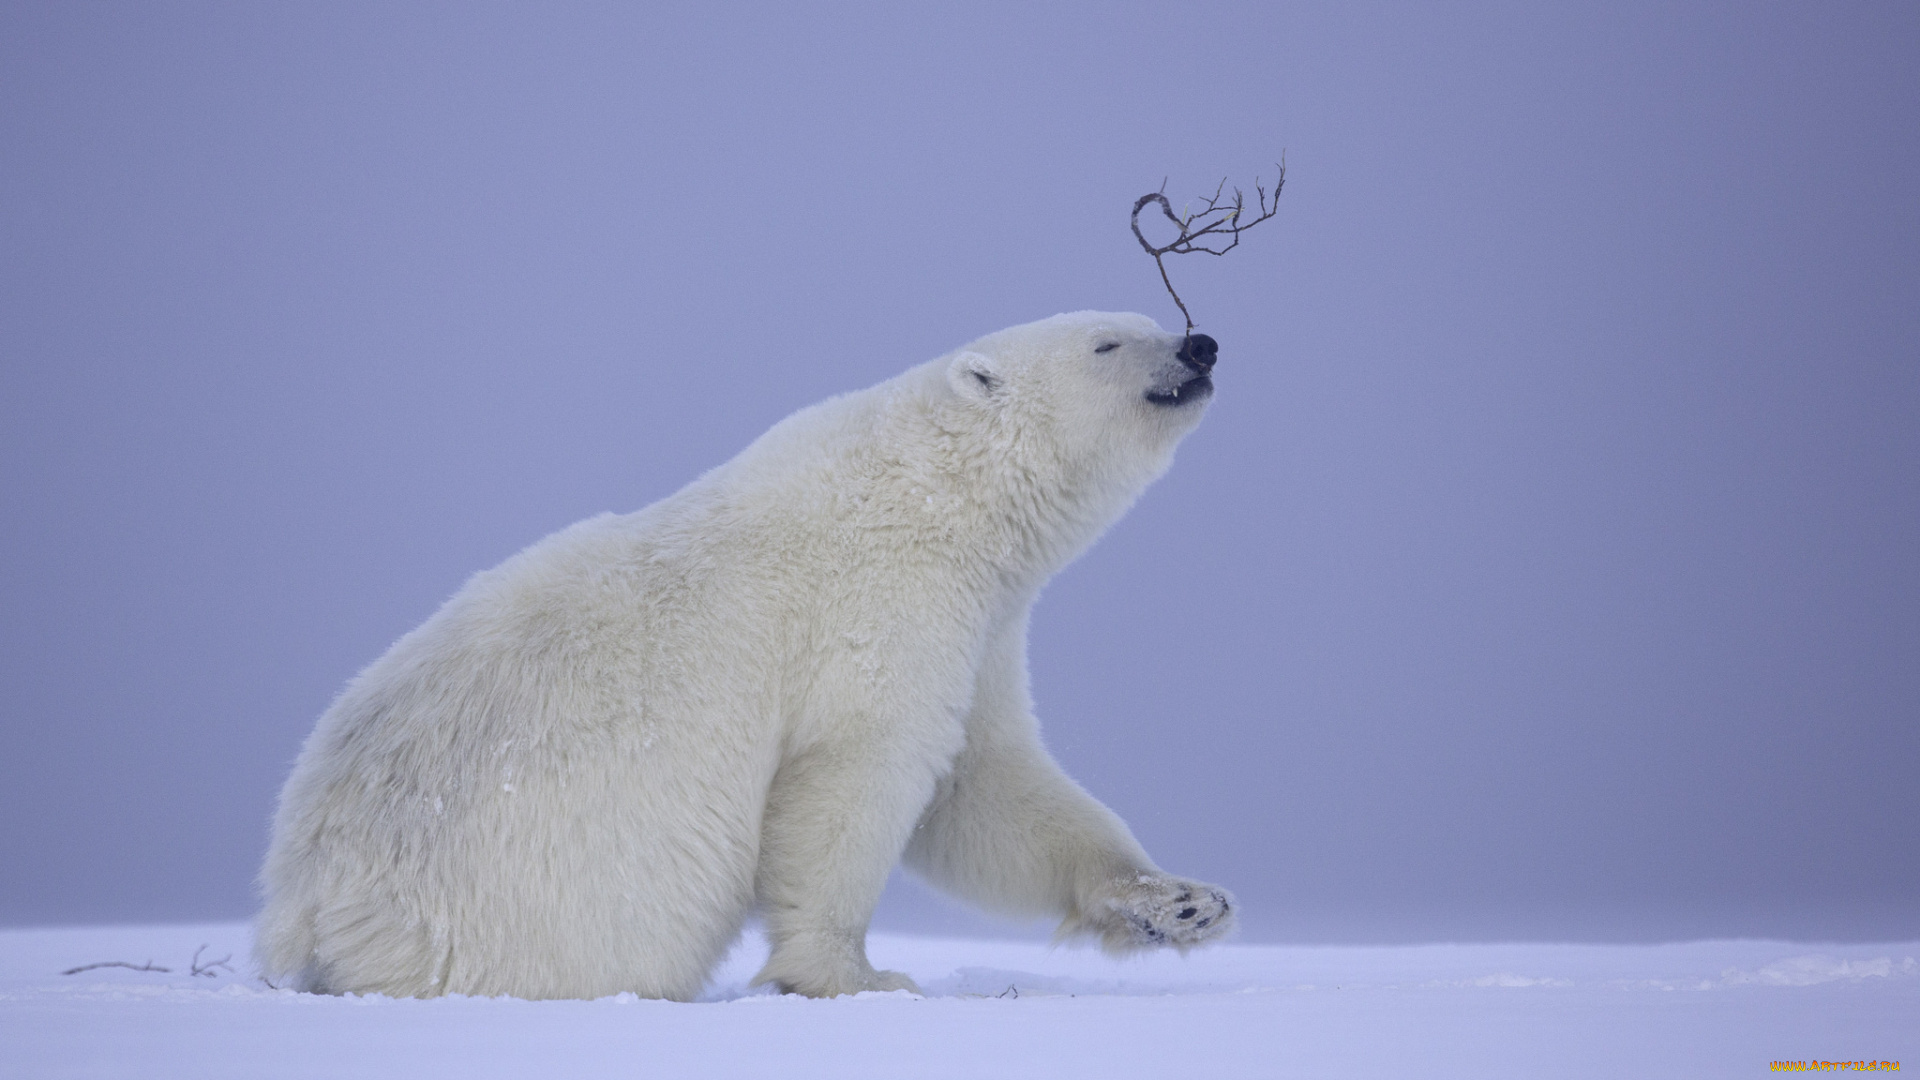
(1198, 352)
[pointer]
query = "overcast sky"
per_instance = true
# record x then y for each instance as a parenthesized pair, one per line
(1547, 567)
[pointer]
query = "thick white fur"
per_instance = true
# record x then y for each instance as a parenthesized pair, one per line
(588, 767)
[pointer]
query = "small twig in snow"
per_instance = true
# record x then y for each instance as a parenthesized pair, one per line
(148, 966)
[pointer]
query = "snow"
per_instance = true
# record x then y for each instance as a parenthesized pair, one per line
(995, 1009)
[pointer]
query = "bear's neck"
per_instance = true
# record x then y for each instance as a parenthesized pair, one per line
(1028, 516)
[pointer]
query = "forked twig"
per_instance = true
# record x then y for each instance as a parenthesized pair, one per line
(1214, 221)
(207, 968)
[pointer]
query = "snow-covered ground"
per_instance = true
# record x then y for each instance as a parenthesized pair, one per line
(993, 1010)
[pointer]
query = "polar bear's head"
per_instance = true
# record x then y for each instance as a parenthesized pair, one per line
(1106, 390)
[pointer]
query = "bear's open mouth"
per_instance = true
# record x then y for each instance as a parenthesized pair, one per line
(1197, 388)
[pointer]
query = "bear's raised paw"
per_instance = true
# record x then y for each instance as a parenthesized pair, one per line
(1153, 911)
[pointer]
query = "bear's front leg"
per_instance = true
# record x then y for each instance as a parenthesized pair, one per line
(1011, 832)
(836, 819)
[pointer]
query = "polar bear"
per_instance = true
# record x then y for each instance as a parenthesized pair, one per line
(587, 769)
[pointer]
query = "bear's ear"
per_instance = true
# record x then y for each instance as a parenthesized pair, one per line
(972, 376)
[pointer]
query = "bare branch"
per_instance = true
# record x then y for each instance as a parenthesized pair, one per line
(148, 966)
(1213, 221)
